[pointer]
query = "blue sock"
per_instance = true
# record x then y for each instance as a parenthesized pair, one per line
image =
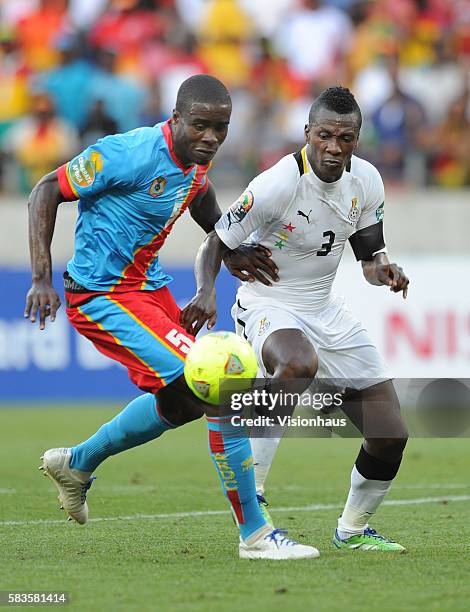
(231, 452)
(138, 423)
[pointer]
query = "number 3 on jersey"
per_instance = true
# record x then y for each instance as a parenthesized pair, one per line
(326, 246)
(182, 342)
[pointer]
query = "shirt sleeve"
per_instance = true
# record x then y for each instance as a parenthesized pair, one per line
(373, 211)
(101, 166)
(262, 202)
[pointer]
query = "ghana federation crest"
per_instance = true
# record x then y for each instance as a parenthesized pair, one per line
(264, 325)
(157, 187)
(354, 211)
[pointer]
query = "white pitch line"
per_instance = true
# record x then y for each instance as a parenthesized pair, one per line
(437, 486)
(137, 488)
(176, 515)
(396, 487)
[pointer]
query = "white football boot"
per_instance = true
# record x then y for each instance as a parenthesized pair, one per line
(276, 546)
(71, 484)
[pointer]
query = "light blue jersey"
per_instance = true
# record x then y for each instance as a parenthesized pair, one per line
(132, 189)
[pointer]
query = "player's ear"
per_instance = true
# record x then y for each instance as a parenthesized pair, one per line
(306, 131)
(357, 137)
(176, 116)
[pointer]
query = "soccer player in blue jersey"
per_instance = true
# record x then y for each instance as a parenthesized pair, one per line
(132, 188)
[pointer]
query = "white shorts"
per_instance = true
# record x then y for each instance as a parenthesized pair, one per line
(344, 348)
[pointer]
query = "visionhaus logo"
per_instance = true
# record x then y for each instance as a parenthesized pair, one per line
(288, 421)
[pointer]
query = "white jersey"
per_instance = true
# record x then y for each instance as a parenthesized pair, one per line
(305, 222)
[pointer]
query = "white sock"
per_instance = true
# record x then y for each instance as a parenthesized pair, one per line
(365, 496)
(263, 450)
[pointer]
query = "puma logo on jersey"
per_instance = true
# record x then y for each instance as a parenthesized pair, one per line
(302, 214)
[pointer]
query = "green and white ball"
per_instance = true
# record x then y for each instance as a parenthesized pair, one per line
(216, 357)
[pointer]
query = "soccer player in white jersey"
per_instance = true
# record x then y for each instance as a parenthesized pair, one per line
(304, 209)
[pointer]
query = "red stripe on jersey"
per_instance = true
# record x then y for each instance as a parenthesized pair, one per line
(65, 186)
(204, 187)
(134, 274)
(216, 441)
(237, 506)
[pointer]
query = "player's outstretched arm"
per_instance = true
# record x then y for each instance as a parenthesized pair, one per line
(247, 262)
(42, 210)
(379, 271)
(202, 307)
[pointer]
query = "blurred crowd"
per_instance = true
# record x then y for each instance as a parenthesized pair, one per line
(72, 71)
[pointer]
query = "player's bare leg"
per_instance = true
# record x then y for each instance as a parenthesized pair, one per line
(289, 357)
(376, 413)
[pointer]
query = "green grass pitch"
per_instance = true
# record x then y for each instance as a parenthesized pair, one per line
(139, 554)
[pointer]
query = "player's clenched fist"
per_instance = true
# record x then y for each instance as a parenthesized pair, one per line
(44, 298)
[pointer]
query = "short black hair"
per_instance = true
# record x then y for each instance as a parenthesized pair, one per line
(337, 99)
(202, 89)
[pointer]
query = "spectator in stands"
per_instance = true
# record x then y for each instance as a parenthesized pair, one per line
(37, 31)
(14, 92)
(170, 62)
(267, 15)
(127, 27)
(271, 53)
(122, 97)
(99, 124)
(153, 112)
(315, 40)
(461, 27)
(398, 125)
(40, 142)
(224, 31)
(84, 14)
(12, 11)
(267, 135)
(69, 83)
(450, 146)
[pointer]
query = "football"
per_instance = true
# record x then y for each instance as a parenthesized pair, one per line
(215, 357)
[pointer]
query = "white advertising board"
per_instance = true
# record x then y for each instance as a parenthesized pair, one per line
(428, 334)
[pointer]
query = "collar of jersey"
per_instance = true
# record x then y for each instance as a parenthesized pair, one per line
(309, 170)
(166, 129)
